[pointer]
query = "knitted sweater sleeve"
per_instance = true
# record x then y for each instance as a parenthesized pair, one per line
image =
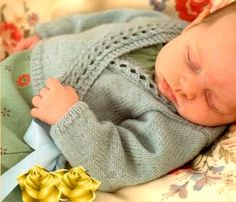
(82, 22)
(133, 152)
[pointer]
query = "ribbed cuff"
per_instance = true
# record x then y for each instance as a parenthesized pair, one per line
(213, 133)
(70, 117)
(36, 68)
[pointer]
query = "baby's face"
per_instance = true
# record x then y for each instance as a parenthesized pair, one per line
(197, 73)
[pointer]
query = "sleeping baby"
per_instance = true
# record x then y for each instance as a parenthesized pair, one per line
(131, 95)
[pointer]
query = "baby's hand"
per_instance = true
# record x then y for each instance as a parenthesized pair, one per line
(27, 43)
(53, 101)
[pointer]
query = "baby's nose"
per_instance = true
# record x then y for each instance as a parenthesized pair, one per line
(190, 88)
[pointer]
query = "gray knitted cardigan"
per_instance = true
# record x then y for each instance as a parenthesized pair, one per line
(122, 130)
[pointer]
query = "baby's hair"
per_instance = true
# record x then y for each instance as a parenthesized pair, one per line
(213, 17)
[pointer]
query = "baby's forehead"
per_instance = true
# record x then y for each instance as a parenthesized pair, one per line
(224, 32)
(226, 22)
(226, 13)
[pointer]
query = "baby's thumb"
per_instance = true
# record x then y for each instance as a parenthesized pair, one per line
(22, 45)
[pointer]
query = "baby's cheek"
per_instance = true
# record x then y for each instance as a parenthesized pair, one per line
(197, 114)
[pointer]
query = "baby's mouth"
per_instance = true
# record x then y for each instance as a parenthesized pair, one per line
(167, 91)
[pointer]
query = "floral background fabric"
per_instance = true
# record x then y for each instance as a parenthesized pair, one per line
(15, 26)
(212, 169)
(211, 176)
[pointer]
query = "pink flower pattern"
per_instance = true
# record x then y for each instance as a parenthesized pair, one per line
(11, 34)
(32, 19)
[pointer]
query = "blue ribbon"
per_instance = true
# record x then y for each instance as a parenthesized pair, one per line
(46, 154)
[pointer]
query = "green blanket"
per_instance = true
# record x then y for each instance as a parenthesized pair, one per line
(15, 113)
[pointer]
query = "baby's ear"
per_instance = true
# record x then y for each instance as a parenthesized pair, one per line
(198, 19)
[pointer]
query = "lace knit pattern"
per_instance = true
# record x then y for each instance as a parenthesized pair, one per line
(115, 45)
(86, 68)
(133, 72)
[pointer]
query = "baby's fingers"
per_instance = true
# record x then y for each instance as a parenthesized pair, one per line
(36, 101)
(52, 83)
(44, 92)
(22, 45)
(39, 114)
(42, 115)
(27, 43)
(36, 113)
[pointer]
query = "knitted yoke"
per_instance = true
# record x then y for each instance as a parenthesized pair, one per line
(89, 53)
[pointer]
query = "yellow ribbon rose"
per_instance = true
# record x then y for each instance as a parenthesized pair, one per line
(77, 186)
(39, 185)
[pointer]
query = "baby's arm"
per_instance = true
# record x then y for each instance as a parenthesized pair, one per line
(134, 151)
(53, 102)
(81, 22)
